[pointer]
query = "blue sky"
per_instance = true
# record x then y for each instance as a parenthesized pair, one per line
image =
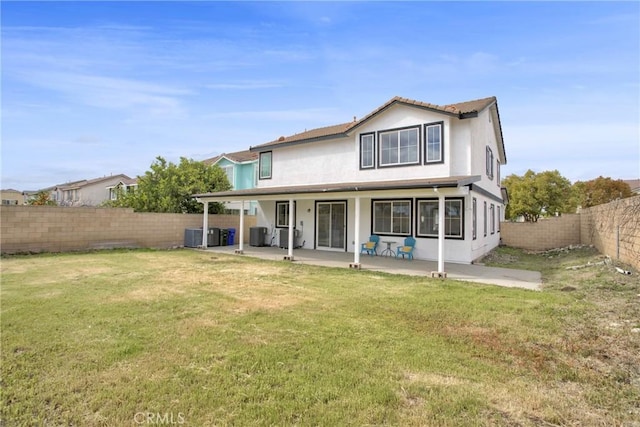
(96, 88)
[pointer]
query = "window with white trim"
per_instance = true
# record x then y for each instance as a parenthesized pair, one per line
(433, 142)
(428, 219)
(499, 218)
(498, 172)
(392, 217)
(367, 147)
(228, 170)
(265, 165)
(399, 147)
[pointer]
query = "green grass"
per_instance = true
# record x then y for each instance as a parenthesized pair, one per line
(106, 338)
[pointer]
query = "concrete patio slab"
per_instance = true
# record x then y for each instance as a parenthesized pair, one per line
(507, 277)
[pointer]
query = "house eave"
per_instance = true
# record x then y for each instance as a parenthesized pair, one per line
(338, 188)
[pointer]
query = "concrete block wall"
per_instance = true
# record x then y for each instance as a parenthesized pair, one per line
(547, 233)
(614, 229)
(59, 229)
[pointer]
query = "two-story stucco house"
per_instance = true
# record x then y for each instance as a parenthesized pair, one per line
(408, 168)
(91, 192)
(241, 169)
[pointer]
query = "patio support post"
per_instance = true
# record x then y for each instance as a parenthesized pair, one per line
(292, 216)
(441, 227)
(356, 236)
(205, 224)
(240, 249)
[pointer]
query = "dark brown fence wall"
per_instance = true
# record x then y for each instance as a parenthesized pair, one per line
(613, 228)
(59, 229)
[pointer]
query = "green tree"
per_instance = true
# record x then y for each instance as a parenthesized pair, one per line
(537, 194)
(42, 198)
(169, 187)
(599, 191)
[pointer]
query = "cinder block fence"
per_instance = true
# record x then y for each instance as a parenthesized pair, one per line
(60, 229)
(613, 228)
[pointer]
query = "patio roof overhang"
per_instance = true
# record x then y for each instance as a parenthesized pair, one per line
(320, 191)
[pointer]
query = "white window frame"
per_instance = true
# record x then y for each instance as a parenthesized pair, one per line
(439, 127)
(367, 140)
(229, 170)
(398, 149)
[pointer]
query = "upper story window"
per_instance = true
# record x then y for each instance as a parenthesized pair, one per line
(265, 165)
(433, 142)
(489, 161)
(399, 147)
(498, 172)
(392, 217)
(228, 170)
(367, 148)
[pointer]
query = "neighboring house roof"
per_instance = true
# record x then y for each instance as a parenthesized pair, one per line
(125, 181)
(634, 184)
(461, 110)
(453, 181)
(74, 185)
(237, 157)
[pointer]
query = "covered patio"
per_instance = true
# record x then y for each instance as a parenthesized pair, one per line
(507, 277)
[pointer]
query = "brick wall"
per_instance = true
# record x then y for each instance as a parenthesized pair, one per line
(547, 233)
(613, 228)
(59, 229)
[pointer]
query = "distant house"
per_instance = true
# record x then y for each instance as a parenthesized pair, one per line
(125, 185)
(92, 192)
(409, 171)
(634, 184)
(241, 168)
(12, 197)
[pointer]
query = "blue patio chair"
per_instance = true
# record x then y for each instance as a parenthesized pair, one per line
(371, 246)
(407, 248)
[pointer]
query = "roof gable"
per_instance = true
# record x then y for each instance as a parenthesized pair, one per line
(236, 157)
(461, 110)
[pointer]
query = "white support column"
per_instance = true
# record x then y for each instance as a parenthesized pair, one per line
(240, 232)
(292, 216)
(356, 248)
(441, 227)
(205, 225)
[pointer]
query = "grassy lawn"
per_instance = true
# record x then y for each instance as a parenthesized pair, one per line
(192, 338)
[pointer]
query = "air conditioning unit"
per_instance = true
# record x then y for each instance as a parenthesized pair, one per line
(284, 238)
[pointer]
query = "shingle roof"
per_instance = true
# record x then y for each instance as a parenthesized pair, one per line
(84, 182)
(459, 109)
(238, 156)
